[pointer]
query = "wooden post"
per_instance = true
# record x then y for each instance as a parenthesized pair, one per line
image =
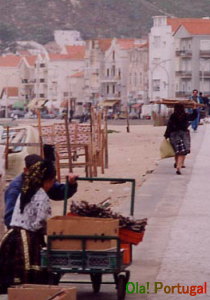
(40, 132)
(68, 142)
(7, 149)
(127, 119)
(92, 141)
(106, 140)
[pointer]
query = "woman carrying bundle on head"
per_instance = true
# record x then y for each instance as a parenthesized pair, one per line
(21, 245)
(179, 135)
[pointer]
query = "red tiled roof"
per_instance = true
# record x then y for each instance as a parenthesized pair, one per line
(55, 56)
(10, 91)
(77, 75)
(104, 44)
(10, 60)
(126, 44)
(31, 59)
(195, 28)
(193, 25)
(75, 52)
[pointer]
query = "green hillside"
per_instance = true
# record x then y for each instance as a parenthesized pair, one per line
(37, 19)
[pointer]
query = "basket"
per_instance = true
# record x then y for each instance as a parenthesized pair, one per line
(130, 236)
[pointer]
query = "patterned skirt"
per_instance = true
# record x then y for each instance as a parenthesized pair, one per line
(20, 257)
(180, 141)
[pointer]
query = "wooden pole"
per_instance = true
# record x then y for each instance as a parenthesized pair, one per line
(106, 140)
(40, 132)
(68, 142)
(127, 119)
(7, 149)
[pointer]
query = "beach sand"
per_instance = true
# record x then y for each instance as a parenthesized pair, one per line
(131, 155)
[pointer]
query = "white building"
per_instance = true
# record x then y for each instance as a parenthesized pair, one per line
(178, 57)
(9, 71)
(161, 59)
(94, 69)
(193, 57)
(68, 37)
(138, 73)
(52, 75)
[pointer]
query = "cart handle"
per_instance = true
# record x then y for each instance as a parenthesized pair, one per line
(121, 180)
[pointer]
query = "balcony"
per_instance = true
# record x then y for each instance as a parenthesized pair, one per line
(184, 53)
(183, 94)
(28, 82)
(110, 79)
(204, 74)
(204, 53)
(184, 73)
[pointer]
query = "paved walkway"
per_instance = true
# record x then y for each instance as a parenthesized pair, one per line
(177, 240)
(176, 246)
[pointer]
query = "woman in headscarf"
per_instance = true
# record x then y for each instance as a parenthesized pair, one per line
(179, 135)
(21, 245)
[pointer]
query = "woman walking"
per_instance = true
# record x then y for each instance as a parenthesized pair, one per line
(179, 135)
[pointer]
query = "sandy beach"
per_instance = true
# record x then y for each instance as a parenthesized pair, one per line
(131, 155)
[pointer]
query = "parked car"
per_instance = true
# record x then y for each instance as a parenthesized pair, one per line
(17, 112)
(47, 116)
(133, 115)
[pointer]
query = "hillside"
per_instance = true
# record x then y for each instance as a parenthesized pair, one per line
(37, 19)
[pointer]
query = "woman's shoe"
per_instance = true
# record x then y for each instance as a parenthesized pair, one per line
(178, 172)
(174, 165)
(183, 167)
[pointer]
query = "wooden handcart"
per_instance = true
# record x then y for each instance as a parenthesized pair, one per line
(95, 263)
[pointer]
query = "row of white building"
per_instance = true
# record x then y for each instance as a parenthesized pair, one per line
(173, 60)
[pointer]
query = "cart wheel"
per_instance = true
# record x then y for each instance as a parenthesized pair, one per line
(121, 286)
(96, 281)
(54, 278)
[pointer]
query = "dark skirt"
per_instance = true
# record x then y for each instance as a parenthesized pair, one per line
(20, 257)
(180, 141)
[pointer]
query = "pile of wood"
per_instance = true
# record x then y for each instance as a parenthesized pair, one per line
(171, 103)
(86, 209)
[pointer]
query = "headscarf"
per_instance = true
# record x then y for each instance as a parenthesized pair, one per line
(179, 112)
(33, 180)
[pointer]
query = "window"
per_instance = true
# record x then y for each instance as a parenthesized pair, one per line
(157, 41)
(107, 89)
(113, 55)
(113, 70)
(65, 94)
(113, 89)
(41, 95)
(42, 65)
(135, 79)
(156, 85)
(140, 78)
(42, 80)
(119, 74)
(107, 72)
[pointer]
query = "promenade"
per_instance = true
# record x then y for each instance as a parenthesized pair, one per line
(177, 240)
(175, 249)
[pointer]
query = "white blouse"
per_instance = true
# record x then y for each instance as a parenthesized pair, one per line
(35, 213)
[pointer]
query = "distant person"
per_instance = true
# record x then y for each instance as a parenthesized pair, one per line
(71, 114)
(206, 103)
(179, 135)
(12, 192)
(197, 99)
